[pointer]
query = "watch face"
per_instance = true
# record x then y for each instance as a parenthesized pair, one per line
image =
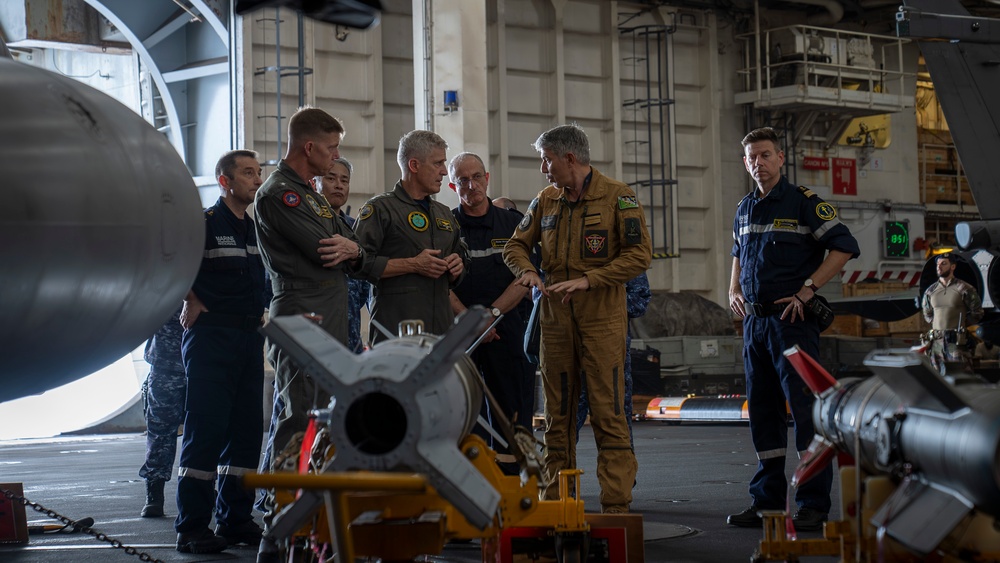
(495, 311)
(809, 282)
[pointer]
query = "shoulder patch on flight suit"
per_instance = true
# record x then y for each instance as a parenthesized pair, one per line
(595, 242)
(290, 198)
(806, 191)
(633, 231)
(444, 225)
(418, 221)
(826, 212)
(549, 222)
(321, 210)
(499, 242)
(526, 221)
(366, 212)
(627, 202)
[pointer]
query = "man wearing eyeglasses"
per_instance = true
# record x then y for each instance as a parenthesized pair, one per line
(485, 229)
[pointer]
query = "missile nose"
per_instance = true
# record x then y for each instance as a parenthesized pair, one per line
(817, 378)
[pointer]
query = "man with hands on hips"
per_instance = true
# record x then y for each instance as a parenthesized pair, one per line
(787, 244)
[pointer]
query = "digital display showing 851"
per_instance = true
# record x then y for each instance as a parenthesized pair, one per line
(897, 239)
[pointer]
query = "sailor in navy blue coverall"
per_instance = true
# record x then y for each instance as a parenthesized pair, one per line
(788, 243)
(485, 229)
(223, 359)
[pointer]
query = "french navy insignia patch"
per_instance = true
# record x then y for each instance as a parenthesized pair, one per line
(366, 212)
(826, 212)
(444, 225)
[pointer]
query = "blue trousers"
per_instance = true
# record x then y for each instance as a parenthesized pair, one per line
(222, 425)
(511, 379)
(164, 412)
(771, 380)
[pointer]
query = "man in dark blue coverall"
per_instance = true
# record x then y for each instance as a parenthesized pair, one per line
(485, 229)
(163, 401)
(224, 362)
(782, 237)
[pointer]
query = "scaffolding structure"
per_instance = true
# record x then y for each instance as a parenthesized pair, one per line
(300, 71)
(650, 153)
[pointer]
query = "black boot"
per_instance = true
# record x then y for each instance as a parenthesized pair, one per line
(154, 500)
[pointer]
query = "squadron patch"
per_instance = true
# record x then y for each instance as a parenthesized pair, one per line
(627, 202)
(826, 212)
(321, 210)
(786, 224)
(633, 231)
(525, 221)
(366, 212)
(418, 221)
(499, 242)
(595, 243)
(444, 225)
(549, 222)
(291, 199)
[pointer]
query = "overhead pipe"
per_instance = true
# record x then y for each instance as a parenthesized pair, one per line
(835, 12)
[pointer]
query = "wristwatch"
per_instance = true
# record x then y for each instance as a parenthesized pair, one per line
(809, 283)
(495, 312)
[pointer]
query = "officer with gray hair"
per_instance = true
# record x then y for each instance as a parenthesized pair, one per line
(418, 254)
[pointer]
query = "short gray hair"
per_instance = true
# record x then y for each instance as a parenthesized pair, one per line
(346, 164)
(458, 159)
(418, 144)
(565, 139)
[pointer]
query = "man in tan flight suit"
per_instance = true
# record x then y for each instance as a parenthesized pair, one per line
(593, 237)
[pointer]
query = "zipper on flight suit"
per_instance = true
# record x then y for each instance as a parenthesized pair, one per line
(432, 225)
(569, 225)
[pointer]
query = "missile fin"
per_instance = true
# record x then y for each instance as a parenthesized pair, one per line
(915, 381)
(315, 351)
(920, 516)
(815, 376)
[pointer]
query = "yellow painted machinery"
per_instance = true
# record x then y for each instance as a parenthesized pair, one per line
(393, 471)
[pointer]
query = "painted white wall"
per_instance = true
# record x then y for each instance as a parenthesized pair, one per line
(555, 61)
